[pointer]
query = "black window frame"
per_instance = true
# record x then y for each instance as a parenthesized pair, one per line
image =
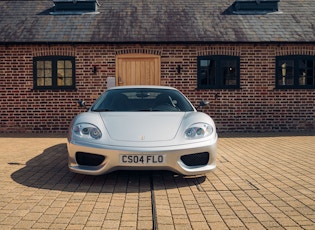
(298, 80)
(218, 75)
(54, 72)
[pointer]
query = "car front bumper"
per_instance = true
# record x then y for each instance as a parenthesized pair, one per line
(122, 158)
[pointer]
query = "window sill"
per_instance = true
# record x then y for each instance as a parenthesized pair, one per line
(294, 88)
(55, 89)
(219, 88)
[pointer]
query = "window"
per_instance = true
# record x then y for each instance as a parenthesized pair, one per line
(64, 7)
(218, 72)
(295, 71)
(255, 6)
(54, 72)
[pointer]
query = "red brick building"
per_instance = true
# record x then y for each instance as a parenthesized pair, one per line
(253, 60)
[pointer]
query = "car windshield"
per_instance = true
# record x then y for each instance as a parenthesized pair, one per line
(142, 99)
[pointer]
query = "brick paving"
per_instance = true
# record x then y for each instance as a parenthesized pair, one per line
(261, 182)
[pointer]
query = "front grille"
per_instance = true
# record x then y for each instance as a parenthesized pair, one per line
(89, 159)
(197, 159)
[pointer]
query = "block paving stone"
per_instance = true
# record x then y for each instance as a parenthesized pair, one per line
(262, 181)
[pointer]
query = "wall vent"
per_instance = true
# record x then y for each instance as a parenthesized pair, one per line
(75, 7)
(255, 6)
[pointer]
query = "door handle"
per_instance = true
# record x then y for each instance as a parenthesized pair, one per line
(120, 82)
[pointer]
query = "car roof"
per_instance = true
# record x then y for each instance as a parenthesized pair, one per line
(142, 87)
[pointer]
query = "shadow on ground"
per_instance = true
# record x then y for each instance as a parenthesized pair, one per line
(49, 170)
(264, 134)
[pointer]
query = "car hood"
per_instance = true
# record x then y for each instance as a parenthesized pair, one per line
(142, 126)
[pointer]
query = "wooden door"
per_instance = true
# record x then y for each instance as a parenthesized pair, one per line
(138, 69)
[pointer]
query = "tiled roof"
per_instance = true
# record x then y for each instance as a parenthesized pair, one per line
(156, 21)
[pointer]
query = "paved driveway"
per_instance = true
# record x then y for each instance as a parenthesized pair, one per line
(261, 182)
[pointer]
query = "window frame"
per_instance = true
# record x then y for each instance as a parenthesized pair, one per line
(219, 84)
(295, 72)
(54, 69)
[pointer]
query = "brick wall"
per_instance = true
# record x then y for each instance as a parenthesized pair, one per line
(257, 106)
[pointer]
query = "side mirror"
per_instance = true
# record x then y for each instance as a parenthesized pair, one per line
(203, 103)
(82, 104)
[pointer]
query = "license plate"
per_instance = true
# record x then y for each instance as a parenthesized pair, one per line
(142, 159)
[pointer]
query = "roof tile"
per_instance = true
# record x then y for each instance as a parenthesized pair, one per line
(156, 21)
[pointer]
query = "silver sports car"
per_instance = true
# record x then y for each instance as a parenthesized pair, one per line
(142, 128)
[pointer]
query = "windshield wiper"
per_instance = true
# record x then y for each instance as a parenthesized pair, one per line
(101, 110)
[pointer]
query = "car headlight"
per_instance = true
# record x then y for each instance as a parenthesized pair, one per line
(198, 130)
(87, 130)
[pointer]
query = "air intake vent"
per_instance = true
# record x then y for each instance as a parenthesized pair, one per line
(255, 6)
(75, 7)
